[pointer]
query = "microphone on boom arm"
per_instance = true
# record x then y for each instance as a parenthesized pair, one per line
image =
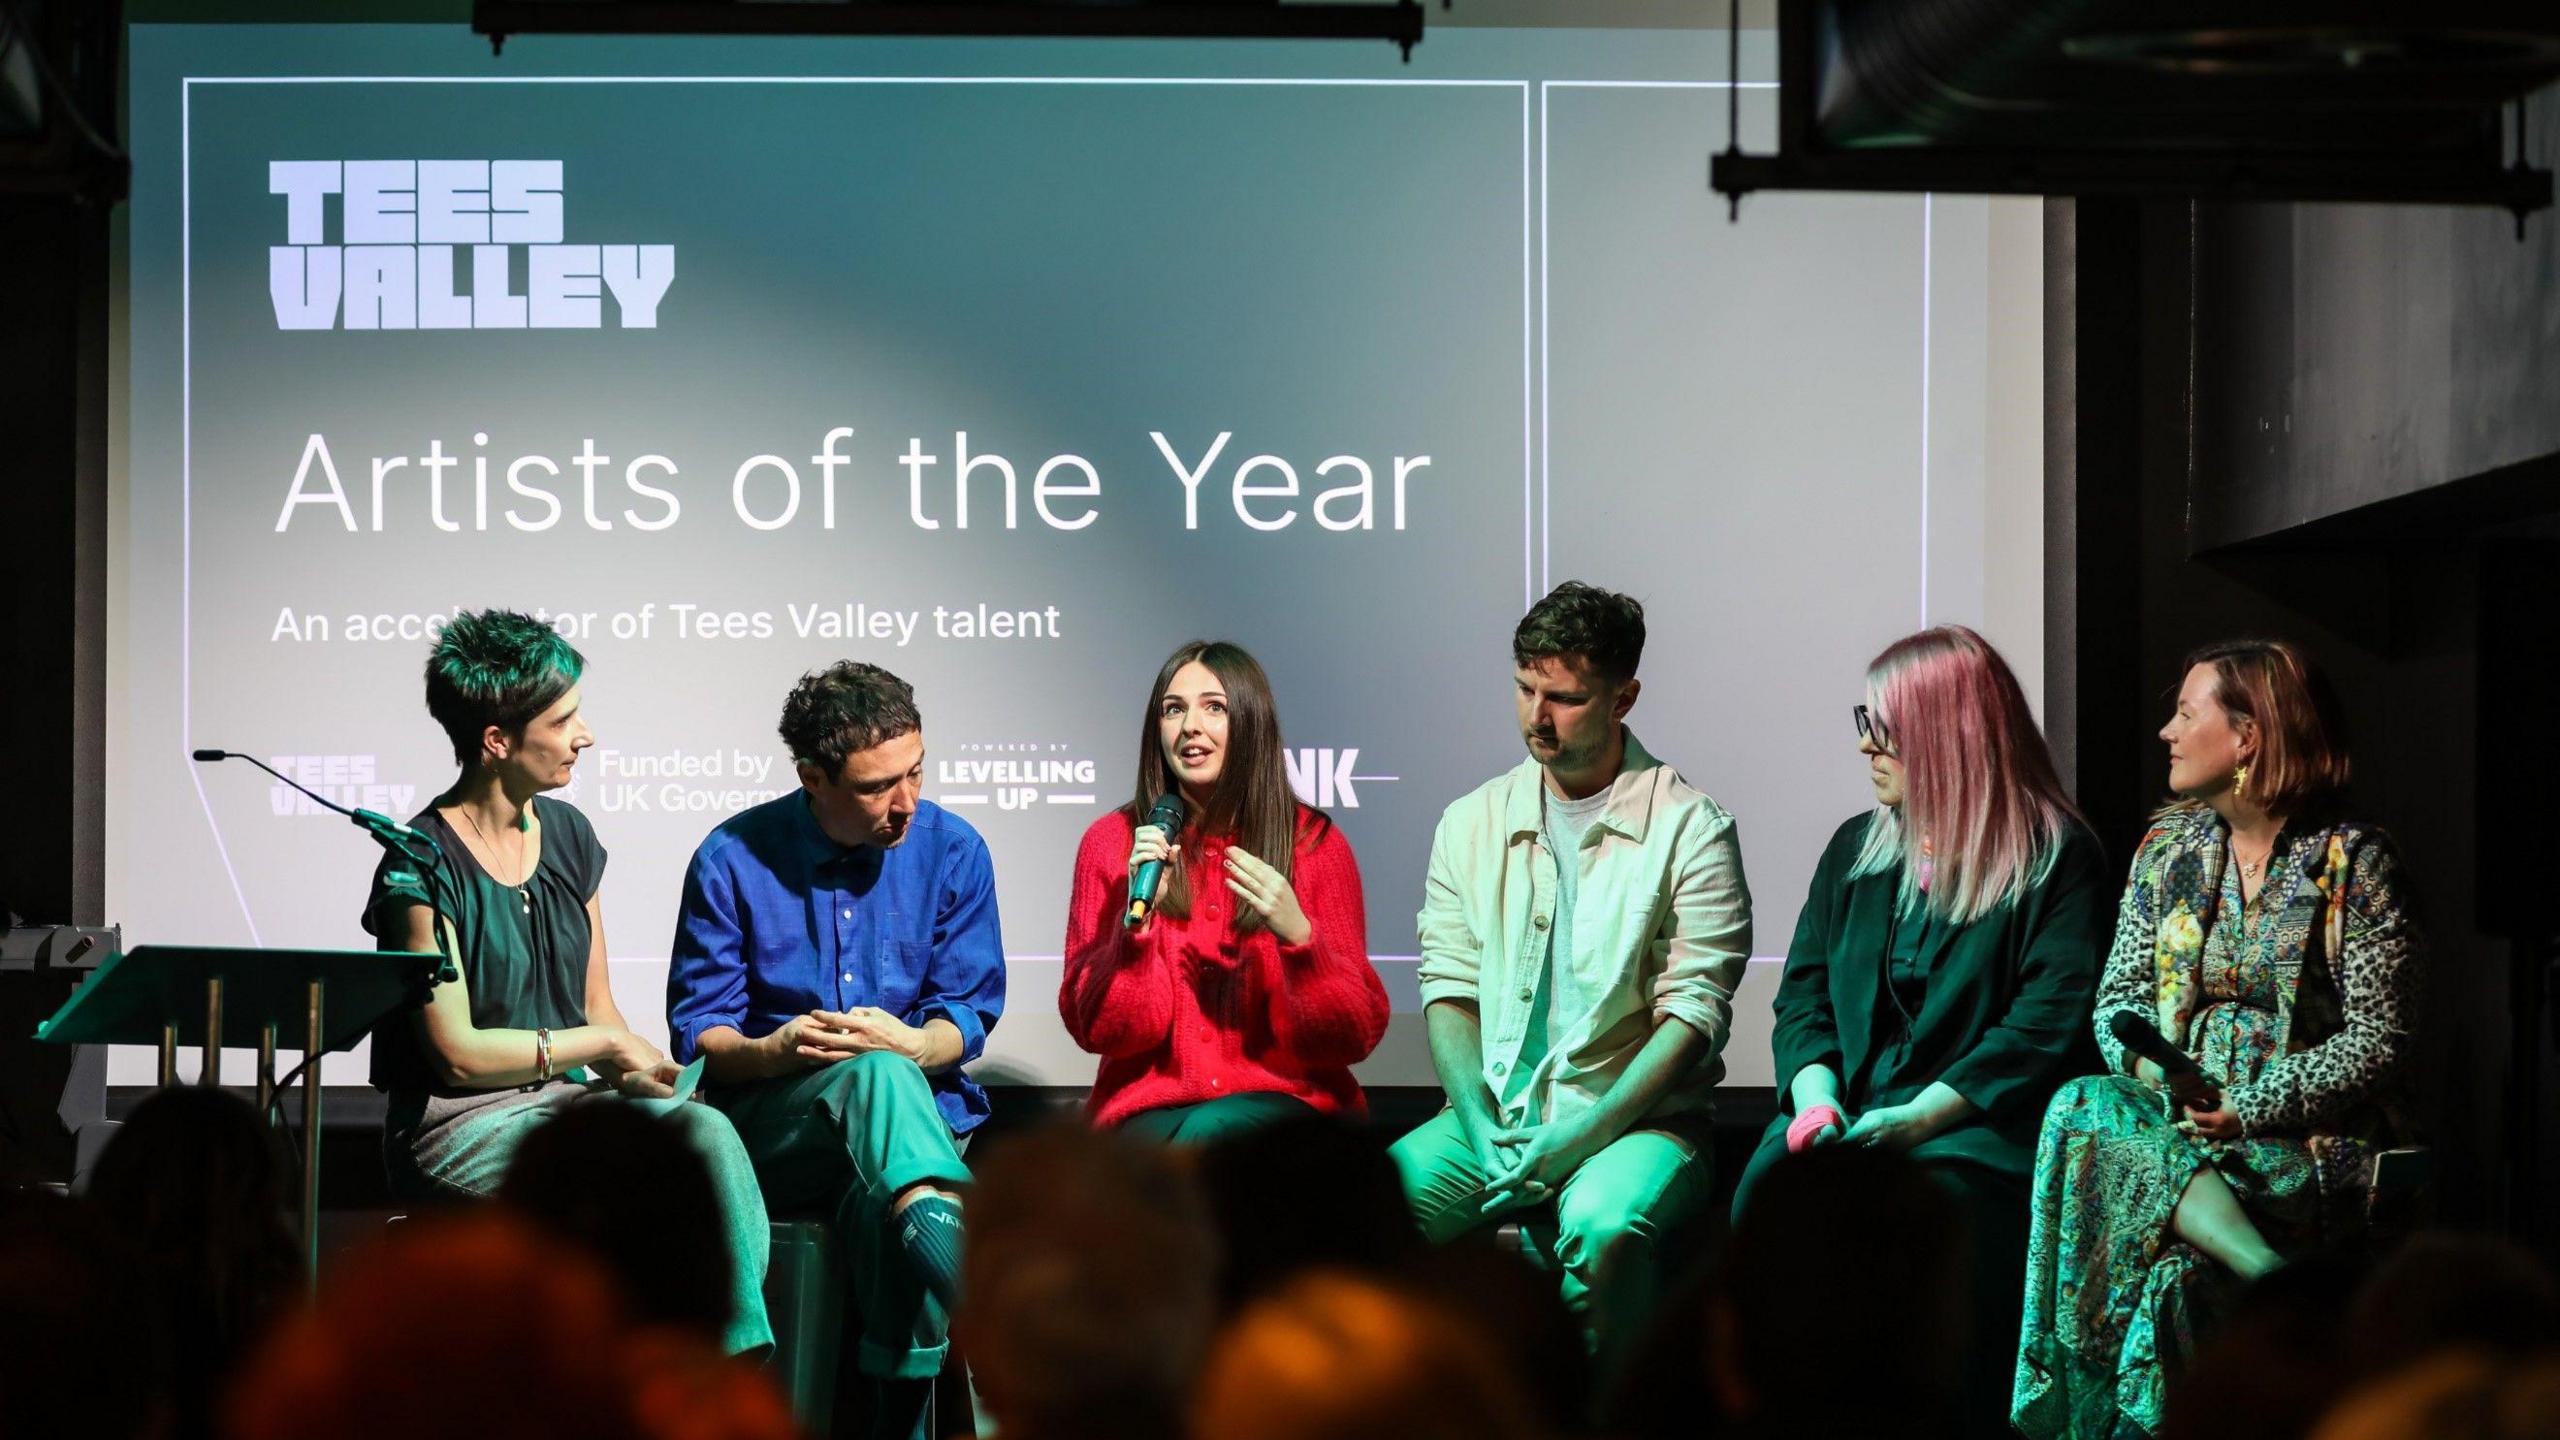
(407, 840)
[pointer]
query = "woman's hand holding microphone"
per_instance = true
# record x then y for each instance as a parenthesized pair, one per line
(1254, 883)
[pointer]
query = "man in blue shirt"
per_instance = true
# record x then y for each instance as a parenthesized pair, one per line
(836, 962)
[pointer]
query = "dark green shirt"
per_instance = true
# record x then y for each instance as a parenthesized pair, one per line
(1997, 1009)
(522, 952)
(1899, 1001)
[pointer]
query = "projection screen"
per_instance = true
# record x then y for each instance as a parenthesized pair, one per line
(1009, 366)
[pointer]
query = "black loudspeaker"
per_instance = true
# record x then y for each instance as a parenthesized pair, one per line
(47, 1092)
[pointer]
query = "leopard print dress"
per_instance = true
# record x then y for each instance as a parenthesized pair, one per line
(2301, 1003)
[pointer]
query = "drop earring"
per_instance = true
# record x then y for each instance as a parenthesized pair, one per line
(2240, 779)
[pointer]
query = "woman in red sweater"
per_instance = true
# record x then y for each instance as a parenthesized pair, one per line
(1247, 994)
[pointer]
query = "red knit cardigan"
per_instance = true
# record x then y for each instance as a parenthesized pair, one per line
(1184, 1010)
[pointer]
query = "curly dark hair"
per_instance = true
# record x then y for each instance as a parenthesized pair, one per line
(1603, 627)
(844, 710)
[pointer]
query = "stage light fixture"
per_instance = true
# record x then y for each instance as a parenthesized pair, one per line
(2345, 100)
(1398, 21)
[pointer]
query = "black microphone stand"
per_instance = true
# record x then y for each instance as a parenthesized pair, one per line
(408, 842)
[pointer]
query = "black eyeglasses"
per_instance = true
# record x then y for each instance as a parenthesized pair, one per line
(1871, 728)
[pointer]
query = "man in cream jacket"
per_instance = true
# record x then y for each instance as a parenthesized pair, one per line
(1583, 928)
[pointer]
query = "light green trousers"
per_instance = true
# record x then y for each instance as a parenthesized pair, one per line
(1615, 1218)
(470, 1155)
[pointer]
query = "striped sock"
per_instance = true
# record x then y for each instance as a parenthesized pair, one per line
(929, 1231)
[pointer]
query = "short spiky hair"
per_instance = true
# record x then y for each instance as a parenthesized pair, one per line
(1603, 627)
(496, 667)
(844, 710)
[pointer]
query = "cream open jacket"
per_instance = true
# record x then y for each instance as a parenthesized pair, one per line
(1661, 921)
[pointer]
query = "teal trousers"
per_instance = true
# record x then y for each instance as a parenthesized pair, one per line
(847, 1138)
(1616, 1218)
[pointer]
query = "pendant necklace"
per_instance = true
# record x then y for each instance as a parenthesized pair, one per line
(2251, 890)
(524, 897)
(2251, 868)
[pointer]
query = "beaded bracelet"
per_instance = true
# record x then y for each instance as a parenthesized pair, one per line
(541, 1054)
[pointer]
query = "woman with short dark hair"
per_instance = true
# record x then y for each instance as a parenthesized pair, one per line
(501, 1045)
(2268, 936)
(1246, 994)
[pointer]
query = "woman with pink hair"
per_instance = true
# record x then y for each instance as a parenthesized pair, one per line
(1938, 989)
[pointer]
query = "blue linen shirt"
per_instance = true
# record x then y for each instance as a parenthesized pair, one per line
(779, 920)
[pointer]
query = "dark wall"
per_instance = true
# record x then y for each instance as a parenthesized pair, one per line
(52, 511)
(2351, 354)
(52, 671)
(2353, 534)
(56, 189)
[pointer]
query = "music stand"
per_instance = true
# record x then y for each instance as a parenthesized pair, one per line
(172, 995)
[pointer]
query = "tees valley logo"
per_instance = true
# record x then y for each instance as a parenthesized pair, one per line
(448, 245)
(351, 780)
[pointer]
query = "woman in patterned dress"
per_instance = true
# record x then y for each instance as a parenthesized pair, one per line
(2269, 938)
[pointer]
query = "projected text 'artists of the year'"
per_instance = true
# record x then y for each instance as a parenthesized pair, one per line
(767, 492)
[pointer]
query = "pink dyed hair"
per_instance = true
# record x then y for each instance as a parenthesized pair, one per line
(1977, 779)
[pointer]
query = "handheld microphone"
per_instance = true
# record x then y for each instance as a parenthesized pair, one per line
(1166, 815)
(2144, 1039)
(372, 821)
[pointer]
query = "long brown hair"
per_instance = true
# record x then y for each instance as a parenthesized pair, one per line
(1252, 805)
